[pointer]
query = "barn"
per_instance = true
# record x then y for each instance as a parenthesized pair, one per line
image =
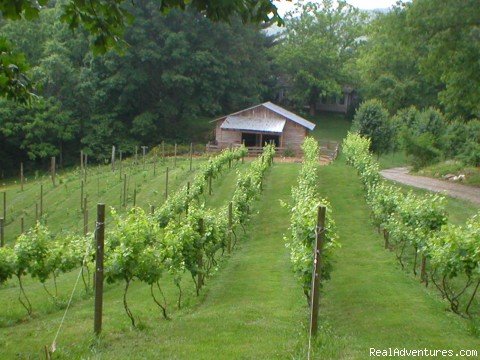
(262, 124)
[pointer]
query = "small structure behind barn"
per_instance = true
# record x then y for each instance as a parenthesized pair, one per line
(260, 124)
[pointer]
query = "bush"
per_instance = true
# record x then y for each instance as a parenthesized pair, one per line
(372, 121)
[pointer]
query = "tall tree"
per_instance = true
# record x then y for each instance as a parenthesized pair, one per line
(317, 48)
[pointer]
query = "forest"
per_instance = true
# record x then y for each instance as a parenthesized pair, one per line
(170, 73)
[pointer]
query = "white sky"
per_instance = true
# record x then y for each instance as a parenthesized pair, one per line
(284, 6)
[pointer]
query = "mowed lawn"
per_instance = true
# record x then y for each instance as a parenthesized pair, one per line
(370, 302)
(252, 308)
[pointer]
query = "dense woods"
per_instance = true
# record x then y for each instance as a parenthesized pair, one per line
(162, 75)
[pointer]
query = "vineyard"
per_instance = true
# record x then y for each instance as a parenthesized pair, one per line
(416, 229)
(204, 262)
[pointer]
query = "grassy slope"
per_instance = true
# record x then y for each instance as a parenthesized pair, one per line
(370, 301)
(253, 297)
(61, 204)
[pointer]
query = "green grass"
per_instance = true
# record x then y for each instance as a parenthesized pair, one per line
(61, 204)
(330, 126)
(472, 174)
(252, 298)
(370, 301)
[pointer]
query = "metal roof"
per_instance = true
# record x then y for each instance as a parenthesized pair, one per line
(270, 125)
(289, 115)
(279, 110)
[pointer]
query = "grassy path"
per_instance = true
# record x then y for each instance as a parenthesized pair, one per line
(370, 302)
(252, 309)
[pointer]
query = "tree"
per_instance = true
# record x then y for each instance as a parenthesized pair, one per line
(388, 64)
(372, 120)
(316, 49)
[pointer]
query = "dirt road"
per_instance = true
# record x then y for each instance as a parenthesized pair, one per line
(454, 189)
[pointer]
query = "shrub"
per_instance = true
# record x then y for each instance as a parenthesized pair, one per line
(372, 120)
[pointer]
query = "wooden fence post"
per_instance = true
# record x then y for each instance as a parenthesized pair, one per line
(317, 266)
(201, 229)
(5, 205)
(113, 157)
(81, 195)
(143, 155)
(22, 179)
(166, 184)
(230, 225)
(52, 169)
(191, 155)
(100, 240)
(2, 232)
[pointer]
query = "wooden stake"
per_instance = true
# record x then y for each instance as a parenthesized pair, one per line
(81, 195)
(81, 160)
(52, 169)
(22, 228)
(191, 155)
(22, 179)
(2, 232)
(166, 184)
(4, 204)
(113, 158)
(188, 192)
(201, 230)
(135, 195)
(100, 240)
(317, 267)
(143, 155)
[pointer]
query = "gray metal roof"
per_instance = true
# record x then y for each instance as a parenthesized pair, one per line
(279, 110)
(289, 115)
(256, 124)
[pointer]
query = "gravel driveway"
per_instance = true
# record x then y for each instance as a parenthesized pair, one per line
(454, 189)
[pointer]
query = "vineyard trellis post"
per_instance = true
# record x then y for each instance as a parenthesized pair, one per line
(52, 169)
(113, 158)
(2, 232)
(201, 230)
(4, 204)
(317, 267)
(100, 240)
(81, 195)
(143, 155)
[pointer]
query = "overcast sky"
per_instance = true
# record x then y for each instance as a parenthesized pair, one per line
(285, 6)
